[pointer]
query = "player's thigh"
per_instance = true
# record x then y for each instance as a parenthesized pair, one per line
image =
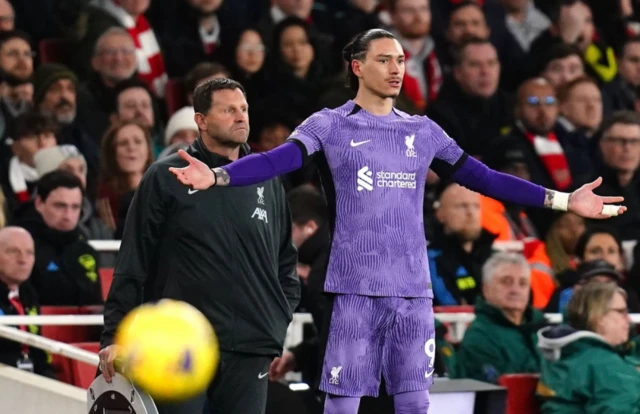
(193, 405)
(352, 358)
(240, 387)
(410, 347)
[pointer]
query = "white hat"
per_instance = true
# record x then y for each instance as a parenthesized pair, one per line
(49, 159)
(181, 119)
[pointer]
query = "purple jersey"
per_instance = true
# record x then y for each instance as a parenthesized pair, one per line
(374, 171)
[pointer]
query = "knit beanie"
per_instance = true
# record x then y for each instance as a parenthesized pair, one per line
(50, 159)
(46, 75)
(181, 119)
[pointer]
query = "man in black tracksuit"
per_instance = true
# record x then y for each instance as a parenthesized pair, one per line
(226, 251)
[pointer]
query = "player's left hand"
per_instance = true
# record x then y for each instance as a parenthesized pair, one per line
(585, 203)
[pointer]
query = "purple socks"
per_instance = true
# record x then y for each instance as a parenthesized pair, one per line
(335, 404)
(415, 402)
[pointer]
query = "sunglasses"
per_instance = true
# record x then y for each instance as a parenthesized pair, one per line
(537, 100)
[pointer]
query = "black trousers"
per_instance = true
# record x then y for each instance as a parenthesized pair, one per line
(239, 387)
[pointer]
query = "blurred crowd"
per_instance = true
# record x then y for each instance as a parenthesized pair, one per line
(93, 92)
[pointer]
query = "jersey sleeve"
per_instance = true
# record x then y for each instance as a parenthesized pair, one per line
(312, 134)
(449, 157)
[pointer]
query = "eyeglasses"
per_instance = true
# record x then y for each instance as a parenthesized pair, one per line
(537, 100)
(632, 142)
(16, 54)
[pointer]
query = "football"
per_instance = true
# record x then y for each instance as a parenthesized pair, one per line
(168, 349)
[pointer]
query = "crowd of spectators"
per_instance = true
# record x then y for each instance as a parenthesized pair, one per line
(93, 92)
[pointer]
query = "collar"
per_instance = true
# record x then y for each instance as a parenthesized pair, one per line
(119, 13)
(277, 15)
(566, 124)
(214, 36)
(200, 151)
(534, 18)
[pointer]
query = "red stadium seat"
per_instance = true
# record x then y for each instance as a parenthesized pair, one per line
(68, 333)
(106, 277)
(54, 50)
(521, 393)
(175, 95)
(83, 373)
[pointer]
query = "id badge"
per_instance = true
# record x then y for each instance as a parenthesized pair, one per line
(25, 364)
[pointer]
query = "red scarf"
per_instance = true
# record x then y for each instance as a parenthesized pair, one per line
(552, 156)
(411, 84)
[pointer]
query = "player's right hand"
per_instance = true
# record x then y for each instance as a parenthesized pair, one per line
(196, 175)
(280, 366)
(107, 358)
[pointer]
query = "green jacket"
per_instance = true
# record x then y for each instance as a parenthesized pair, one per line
(582, 374)
(493, 345)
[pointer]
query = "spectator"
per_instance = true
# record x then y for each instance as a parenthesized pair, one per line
(411, 23)
(128, 14)
(501, 340)
(562, 64)
(459, 248)
(17, 297)
(191, 33)
(620, 93)
(580, 110)
(562, 235)
(297, 71)
(582, 369)
(113, 61)
(470, 107)
(16, 56)
(201, 73)
(32, 133)
(7, 16)
(54, 95)
(620, 149)
(135, 102)
(181, 127)
(356, 16)
(126, 155)
(66, 268)
(524, 21)
(68, 158)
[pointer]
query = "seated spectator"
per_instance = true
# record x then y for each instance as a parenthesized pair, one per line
(562, 235)
(297, 72)
(562, 64)
(470, 107)
(582, 369)
(580, 112)
(201, 73)
(68, 158)
(55, 96)
(620, 94)
(32, 132)
(17, 297)
(501, 340)
(16, 55)
(126, 155)
(191, 32)
(66, 268)
(113, 61)
(620, 150)
(7, 16)
(135, 102)
(181, 127)
(459, 247)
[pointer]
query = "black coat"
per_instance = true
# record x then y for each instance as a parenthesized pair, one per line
(627, 224)
(227, 251)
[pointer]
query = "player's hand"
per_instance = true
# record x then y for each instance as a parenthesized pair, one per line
(585, 203)
(107, 359)
(196, 175)
(280, 366)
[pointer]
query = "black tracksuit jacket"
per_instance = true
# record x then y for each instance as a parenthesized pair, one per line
(226, 250)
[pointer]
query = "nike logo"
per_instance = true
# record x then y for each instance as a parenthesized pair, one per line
(260, 376)
(193, 191)
(357, 144)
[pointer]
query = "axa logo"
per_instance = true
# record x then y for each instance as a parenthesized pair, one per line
(365, 180)
(260, 214)
(408, 141)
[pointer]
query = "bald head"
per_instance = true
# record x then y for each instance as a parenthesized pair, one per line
(537, 106)
(17, 256)
(7, 16)
(459, 212)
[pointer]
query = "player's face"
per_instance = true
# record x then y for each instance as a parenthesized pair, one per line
(508, 289)
(227, 121)
(537, 108)
(382, 70)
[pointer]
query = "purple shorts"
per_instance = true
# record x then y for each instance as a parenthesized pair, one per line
(370, 336)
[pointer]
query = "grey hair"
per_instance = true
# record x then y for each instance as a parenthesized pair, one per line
(112, 31)
(502, 258)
